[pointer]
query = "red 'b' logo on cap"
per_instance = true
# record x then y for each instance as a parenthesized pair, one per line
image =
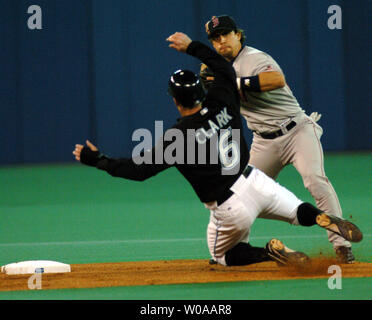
(215, 21)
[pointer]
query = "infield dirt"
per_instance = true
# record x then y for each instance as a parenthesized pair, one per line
(178, 272)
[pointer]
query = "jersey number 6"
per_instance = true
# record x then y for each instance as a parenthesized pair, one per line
(228, 148)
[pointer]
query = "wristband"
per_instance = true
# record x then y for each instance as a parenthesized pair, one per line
(250, 84)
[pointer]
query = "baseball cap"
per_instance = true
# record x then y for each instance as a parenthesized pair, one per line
(220, 24)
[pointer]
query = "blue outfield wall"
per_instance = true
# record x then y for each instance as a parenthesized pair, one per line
(99, 69)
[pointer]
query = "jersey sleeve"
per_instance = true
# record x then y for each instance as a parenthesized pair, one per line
(264, 63)
(220, 67)
(224, 84)
(224, 88)
(127, 168)
(144, 166)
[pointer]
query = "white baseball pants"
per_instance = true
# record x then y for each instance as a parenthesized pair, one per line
(257, 196)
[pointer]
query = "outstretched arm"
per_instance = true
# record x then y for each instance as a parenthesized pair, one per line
(126, 168)
(222, 68)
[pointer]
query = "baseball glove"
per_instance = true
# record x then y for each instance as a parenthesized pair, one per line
(206, 76)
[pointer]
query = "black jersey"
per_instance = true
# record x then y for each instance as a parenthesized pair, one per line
(214, 150)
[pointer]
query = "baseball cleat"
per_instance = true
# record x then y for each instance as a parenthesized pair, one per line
(212, 261)
(344, 255)
(277, 251)
(344, 228)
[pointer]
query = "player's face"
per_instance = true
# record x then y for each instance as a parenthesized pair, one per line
(227, 44)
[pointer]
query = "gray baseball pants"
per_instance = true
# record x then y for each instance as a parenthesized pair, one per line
(301, 147)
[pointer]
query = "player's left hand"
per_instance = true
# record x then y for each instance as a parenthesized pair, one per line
(79, 147)
(179, 41)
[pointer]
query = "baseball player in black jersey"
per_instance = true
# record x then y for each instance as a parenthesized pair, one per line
(215, 162)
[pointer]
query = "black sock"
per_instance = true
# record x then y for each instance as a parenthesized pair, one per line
(244, 254)
(306, 214)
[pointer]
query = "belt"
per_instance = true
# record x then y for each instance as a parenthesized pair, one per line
(279, 133)
(246, 172)
(226, 196)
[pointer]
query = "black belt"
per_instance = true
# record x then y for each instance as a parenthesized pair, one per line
(246, 172)
(226, 196)
(273, 135)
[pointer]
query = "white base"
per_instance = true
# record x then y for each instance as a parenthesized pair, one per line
(35, 266)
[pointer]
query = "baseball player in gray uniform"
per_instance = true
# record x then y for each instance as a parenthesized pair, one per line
(282, 132)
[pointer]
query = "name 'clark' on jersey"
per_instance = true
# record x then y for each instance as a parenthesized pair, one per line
(217, 152)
